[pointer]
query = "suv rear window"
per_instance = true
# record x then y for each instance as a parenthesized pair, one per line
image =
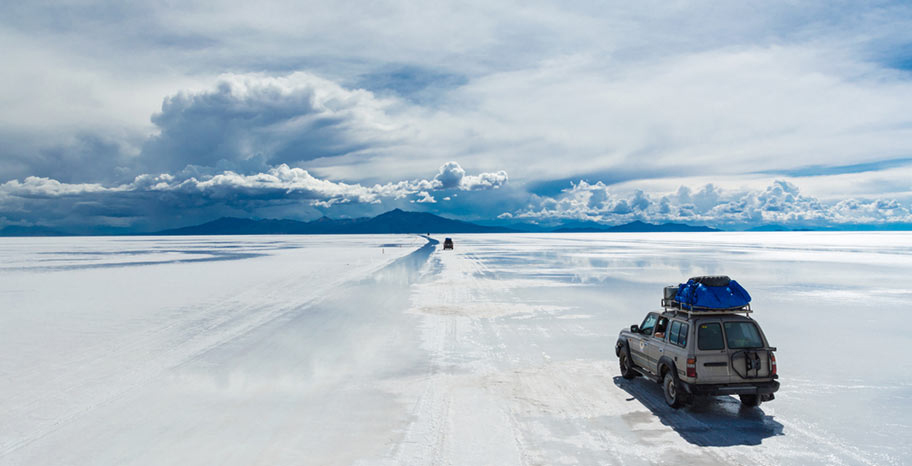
(709, 337)
(742, 335)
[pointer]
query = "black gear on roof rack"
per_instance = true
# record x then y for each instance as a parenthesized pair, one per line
(713, 280)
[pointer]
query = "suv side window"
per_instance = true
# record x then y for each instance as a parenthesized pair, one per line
(709, 337)
(674, 331)
(648, 324)
(678, 333)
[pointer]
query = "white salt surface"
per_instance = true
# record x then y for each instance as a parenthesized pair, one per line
(379, 350)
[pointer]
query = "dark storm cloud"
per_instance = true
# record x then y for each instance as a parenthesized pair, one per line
(290, 119)
(80, 157)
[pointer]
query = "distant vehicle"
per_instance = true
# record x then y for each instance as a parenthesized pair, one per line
(703, 343)
(448, 243)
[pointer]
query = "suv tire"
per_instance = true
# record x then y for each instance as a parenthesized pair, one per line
(750, 400)
(670, 387)
(627, 371)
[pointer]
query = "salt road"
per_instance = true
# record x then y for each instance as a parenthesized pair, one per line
(388, 350)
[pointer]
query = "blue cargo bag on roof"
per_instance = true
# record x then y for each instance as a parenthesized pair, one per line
(712, 292)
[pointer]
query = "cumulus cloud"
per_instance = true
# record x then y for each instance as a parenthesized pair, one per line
(779, 203)
(425, 197)
(285, 119)
(452, 176)
(281, 181)
(40, 187)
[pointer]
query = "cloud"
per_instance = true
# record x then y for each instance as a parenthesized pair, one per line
(781, 202)
(484, 181)
(270, 120)
(768, 94)
(34, 197)
(452, 176)
(366, 98)
(39, 187)
(425, 197)
(281, 181)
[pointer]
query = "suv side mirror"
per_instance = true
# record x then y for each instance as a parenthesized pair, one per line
(635, 328)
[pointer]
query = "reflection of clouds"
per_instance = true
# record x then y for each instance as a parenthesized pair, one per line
(137, 253)
(762, 258)
(575, 266)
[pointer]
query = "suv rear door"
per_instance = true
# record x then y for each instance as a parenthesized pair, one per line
(709, 349)
(749, 357)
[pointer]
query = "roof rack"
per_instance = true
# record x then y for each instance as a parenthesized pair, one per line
(675, 306)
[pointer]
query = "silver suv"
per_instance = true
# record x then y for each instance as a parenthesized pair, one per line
(694, 351)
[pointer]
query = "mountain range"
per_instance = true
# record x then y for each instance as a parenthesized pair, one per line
(398, 221)
(394, 221)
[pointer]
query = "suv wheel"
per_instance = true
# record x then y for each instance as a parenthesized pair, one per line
(750, 400)
(626, 371)
(672, 394)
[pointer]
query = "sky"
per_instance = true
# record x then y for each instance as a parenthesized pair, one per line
(141, 117)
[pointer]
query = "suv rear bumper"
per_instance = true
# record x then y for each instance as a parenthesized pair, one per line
(761, 388)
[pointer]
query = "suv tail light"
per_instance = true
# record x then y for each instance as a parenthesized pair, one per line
(773, 363)
(692, 367)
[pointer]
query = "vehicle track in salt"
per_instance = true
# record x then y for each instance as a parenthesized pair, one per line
(539, 409)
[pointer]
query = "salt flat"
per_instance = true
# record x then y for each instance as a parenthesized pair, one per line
(388, 350)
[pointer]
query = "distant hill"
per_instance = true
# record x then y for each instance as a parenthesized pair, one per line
(633, 227)
(394, 221)
(400, 221)
(246, 226)
(771, 227)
